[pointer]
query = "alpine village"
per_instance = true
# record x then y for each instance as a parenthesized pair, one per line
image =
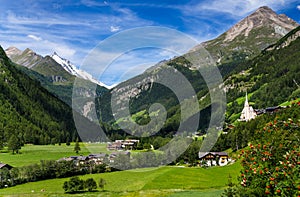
(256, 151)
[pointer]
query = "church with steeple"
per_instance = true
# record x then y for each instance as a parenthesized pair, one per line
(248, 112)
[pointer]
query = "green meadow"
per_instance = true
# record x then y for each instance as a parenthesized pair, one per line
(163, 181)
(30, 154)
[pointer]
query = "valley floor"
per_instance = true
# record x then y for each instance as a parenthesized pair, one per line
(163, 181)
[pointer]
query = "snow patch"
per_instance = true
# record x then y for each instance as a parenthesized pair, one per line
(73, 70)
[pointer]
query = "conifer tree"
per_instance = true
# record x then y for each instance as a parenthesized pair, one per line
(77, 146)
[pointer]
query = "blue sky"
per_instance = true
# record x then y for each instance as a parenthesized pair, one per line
(72, 28)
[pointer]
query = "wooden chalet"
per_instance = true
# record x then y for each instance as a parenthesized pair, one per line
(214, 158)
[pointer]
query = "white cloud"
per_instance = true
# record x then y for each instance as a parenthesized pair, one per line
(42, 18)
(234, 7)
(36, 38)
(298, 7)
(71, 37)
(91, 3)
(114, 28)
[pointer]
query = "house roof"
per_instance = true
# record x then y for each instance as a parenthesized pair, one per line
(82, 158)
(97, 155)
(269, 109)
(203, 154)
(3, 165)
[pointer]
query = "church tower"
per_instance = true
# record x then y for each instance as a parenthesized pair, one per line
(248, 112)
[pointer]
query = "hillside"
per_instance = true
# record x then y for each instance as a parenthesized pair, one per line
(28, 111)
(276, 79)
(272, 77)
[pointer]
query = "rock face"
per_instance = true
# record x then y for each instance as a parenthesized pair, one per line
(250, 36)
(12, 52)
(286, 41)
(27, 58)
(43, 65)
(262, 17)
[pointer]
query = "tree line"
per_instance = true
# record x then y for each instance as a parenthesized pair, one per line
(48, 169)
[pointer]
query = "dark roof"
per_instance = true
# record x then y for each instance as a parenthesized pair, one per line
(272, 108)
(203, 154)
(3, 165)
(97, 155)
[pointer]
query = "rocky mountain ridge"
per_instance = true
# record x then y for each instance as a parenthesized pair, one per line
(55, 73)
(250, 36)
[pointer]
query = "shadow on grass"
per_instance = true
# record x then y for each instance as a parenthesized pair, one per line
(82, 192)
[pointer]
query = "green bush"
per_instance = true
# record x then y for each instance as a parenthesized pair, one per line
(271, 165)
(90, 184)
(73, 185)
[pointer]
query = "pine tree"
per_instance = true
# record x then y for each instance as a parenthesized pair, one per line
(77, 146)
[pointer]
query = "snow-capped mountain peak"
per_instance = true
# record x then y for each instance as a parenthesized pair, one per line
(73, 70)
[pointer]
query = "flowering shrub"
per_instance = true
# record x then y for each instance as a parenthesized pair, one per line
(271, 164)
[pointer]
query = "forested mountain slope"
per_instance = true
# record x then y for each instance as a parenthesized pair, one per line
(271, 78)
(28, 111)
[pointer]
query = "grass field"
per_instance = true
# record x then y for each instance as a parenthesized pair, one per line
(31, 154)
(164, 181)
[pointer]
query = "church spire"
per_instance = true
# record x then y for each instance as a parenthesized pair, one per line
(246, 102)
(248, 113)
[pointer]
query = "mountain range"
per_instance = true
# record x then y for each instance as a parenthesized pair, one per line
(55, 73)
(258, 55)
(243, 62)
(36, 62)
